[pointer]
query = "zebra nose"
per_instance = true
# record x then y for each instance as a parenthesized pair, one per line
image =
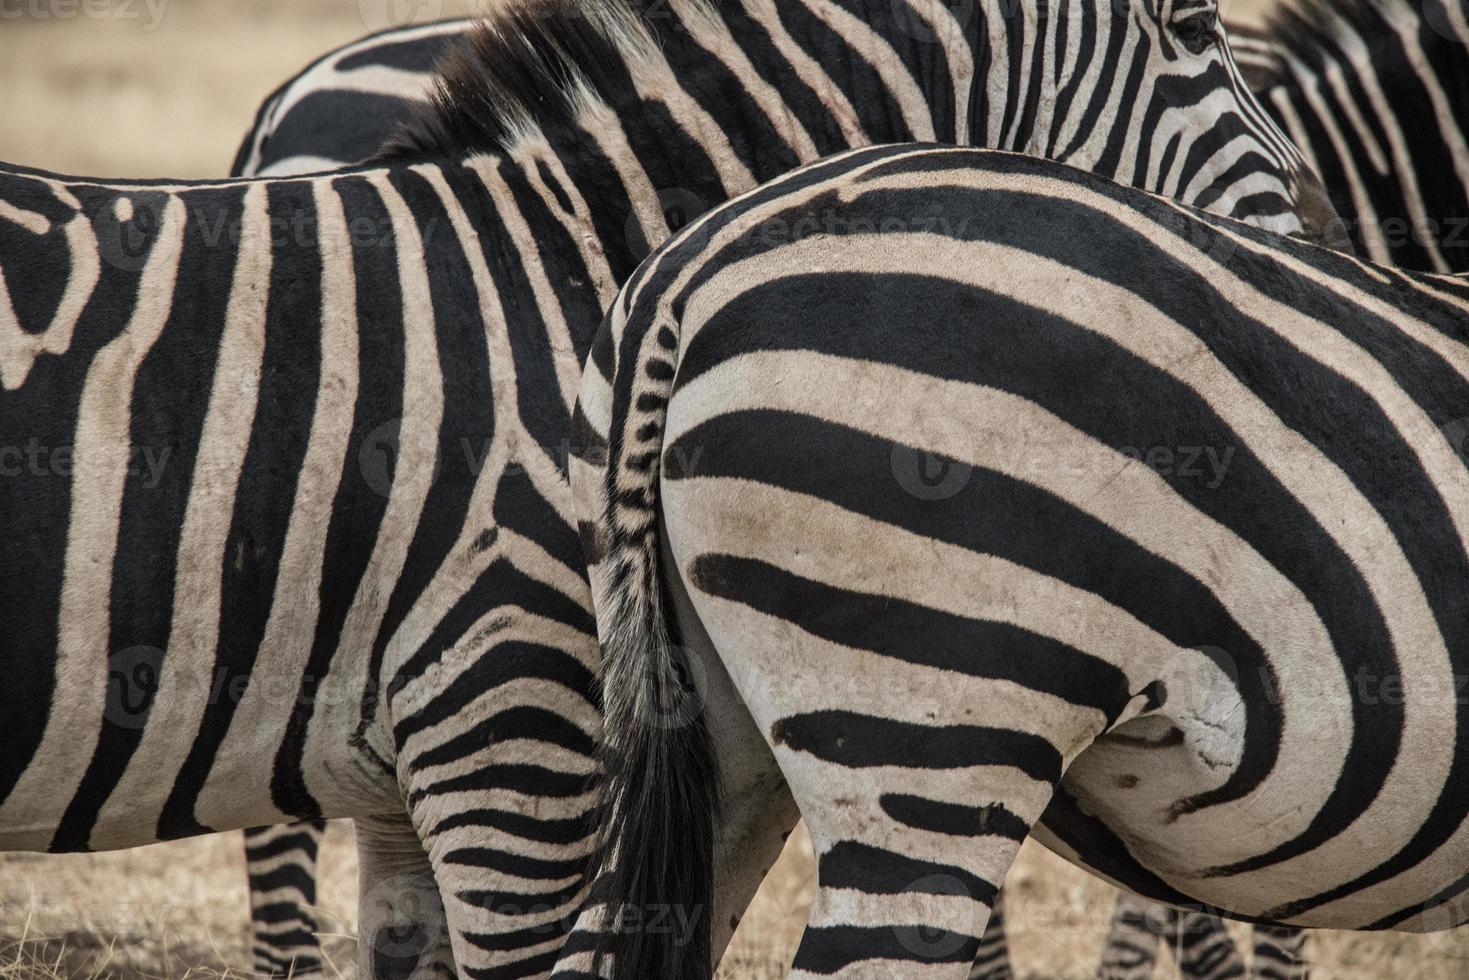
(1320, 222)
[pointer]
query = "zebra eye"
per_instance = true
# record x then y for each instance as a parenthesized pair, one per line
(1197, 31)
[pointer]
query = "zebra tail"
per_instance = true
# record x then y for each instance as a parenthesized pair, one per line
(659, 798)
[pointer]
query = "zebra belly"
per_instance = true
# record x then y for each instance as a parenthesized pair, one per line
(171, 791)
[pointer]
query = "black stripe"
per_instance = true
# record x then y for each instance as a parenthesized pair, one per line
(886, 625)
(460, 339)
(518, 722)
(361, 500)
(859, 741)
(531, 780)
(266, 490)
(876, 871)
(40, 419)
(827, 949)
(295, 876)
(542, 831)
(954, 819)
(169, 405)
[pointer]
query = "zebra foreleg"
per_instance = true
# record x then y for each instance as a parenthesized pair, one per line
(401, 927)
(992, 962)
(1199, 942)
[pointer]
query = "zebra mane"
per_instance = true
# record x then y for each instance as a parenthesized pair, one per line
(527, 66)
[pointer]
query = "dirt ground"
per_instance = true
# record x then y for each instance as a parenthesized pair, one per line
(166, 88)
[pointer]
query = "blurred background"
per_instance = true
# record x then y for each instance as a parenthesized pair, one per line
(152, 88)
(163, 88)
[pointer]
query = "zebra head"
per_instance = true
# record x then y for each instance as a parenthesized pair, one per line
(1148, 93)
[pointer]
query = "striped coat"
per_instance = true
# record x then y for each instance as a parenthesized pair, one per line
(1152, 539)
(325, 566)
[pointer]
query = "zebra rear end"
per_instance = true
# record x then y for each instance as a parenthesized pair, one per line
(913, 476)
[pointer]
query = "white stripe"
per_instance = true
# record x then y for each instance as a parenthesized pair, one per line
(99, 474)
(244, 764)
(185, 686)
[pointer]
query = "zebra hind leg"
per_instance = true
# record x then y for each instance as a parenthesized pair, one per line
(1280, 953)
(280, 863)
(1199, 942)
(401, 926)
(893, 904)
(915, 813)
(1205, 950)
(1131, 948)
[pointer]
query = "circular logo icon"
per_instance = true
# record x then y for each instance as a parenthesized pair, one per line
(127, 227)
(679, 207)
(379, 15)
(380, 458)
(1436, 15)
(1457, 434)
(133, 677)
(948, 20)
(407, 921)
(1214, 672)
(927, 476)
(678, 699)
(928, 942)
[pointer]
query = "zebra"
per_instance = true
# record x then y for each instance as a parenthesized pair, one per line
(309, 613)
(248, 381)
(1376, 95)
(334, 114)
(1372, 89)
(340, 110)
(1199, 943)
(318, 121)
(970, 496)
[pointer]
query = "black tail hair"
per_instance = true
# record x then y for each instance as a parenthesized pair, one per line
(660, 789)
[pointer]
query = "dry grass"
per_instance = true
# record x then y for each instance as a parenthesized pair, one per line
(107, 96)
(175, 911)
(168, 911)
